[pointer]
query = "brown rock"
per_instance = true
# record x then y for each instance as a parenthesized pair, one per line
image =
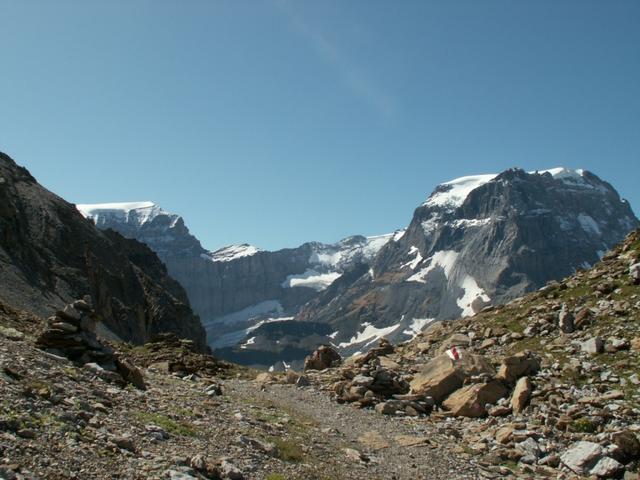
(442, 375)
(386, 362)
(324, 357)
(470, 401)
(129, 372)
(518, 365)
(265, 377)
(582, 318)
(503, 435)
(521, 395)
(455, 340)
(628, 444)
(373, 440)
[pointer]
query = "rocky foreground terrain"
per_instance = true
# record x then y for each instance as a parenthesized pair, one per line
(543, 387)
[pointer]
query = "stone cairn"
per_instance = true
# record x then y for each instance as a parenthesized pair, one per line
(71, 333)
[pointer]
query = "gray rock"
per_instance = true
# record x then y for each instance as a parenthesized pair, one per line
(529, 447)
(582, 457)
(592, 346)
(302, 381)
(177, 475)
(566, 320)
(390, 407)
(634, 273)
(64, 326)
(11, 333)
(362, 380)
(607, 468)
(230, 471)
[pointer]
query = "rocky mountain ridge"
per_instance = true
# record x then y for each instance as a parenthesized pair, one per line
(50, 256)
(237, 288)
(476, 241)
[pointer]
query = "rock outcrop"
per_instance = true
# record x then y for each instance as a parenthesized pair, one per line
(51, 255)
(71, 333)
(477, 241)
(555, 408)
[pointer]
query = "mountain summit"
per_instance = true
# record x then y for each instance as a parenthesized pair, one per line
(476, 240)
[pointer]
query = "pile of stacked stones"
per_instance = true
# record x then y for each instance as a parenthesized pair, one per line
(71, 333)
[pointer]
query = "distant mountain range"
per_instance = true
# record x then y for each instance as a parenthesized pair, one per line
(238, 287)
(476, 241)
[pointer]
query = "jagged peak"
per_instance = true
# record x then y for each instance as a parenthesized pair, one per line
(453, 193)
(137, 213)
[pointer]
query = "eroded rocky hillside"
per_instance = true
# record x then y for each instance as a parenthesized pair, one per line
(51, 255)
(545, 386)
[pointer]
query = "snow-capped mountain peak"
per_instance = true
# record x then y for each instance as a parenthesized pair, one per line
(135, 213)
(454, 192)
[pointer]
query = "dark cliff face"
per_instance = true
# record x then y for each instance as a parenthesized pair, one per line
(477, 241)
(51, 255)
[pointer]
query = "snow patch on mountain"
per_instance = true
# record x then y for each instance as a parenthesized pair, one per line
(267, 307)
(233, 252)
(445, 259)
(469, 222)
(417, 325)
(399, 234)
(472, 292)
(453, 193)
(416, 260)
(311, 279)
(336, 256)
(370, 334)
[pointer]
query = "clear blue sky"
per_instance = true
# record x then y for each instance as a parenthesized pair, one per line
(276, 122)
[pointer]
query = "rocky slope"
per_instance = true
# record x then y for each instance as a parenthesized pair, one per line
(198, 418)
(543, 387)
(235, 288)
(50, 255)
(476, 241)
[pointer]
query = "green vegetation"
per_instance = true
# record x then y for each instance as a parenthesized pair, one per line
(288, 450)
(275, 476)
(170, 425)
(584, 425)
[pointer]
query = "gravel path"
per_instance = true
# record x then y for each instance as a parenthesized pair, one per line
(364, 443)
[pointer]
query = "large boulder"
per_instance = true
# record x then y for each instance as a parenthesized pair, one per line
(518, 365)
(324, 357)
(443, 375)
(628, 444)
(455, 340)
(521, 395)
(582, 457)
(470, 401)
